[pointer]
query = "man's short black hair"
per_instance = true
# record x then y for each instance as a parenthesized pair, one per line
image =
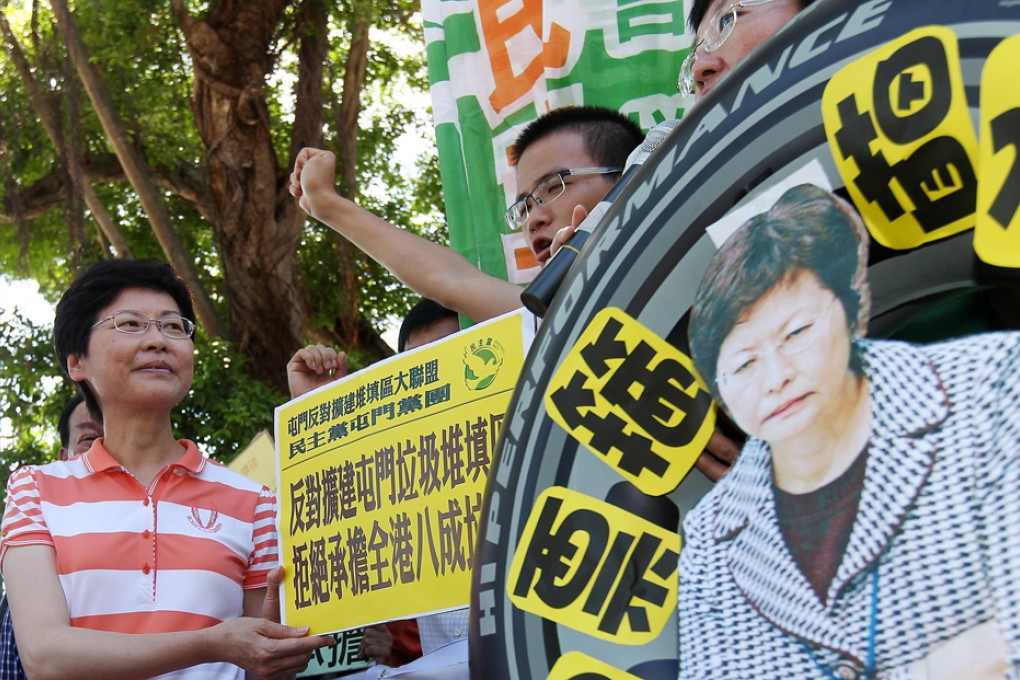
(699, 8)
(79, 307)
(64, 424)
(608, 135)
(421, 316)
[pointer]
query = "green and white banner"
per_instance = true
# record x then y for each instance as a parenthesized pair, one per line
(497, 64)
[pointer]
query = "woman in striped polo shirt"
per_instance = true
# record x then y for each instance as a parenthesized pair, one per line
(141, 557)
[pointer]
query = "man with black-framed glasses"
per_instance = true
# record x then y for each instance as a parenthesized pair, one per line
(547, 189)
(719, 45)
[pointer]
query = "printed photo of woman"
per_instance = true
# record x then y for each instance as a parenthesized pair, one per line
(868, 527)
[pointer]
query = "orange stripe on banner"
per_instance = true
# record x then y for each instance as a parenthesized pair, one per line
(508, 88)
(556, 50)
(524, 258)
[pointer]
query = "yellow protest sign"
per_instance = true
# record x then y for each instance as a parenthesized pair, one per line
(634, 400)
(596, 568)
(997, 235)
(258, 460)
(381, 477)
(900, 130)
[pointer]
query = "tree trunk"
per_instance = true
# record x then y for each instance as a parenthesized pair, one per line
(51, 122)
(347, 152)
(136, 171)
(351, 330)
(351, 327)
(350, 105)
(256, 225)
(15, 207)
(257, 222)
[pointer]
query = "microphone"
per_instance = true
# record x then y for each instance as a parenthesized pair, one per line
(538, 295)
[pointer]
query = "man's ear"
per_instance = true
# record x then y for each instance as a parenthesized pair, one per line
(75, 367)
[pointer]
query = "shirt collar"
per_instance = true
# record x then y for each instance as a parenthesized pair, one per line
(98, 459)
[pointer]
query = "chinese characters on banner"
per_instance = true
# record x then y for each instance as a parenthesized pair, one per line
(638, 404)
(496, 65)
(634, 400)
(901, 132)
(620, 586)
(381, 477)
(339, 658)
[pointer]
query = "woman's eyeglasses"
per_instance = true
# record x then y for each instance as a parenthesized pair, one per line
(801, 336)
(135, 323)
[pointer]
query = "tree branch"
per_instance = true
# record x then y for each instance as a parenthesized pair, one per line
(48, 116)
(47, 193)
(136, 170)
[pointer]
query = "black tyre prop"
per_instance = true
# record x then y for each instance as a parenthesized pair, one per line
(911, 109)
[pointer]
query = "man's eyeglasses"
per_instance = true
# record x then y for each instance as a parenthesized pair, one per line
(719, 27)
(134, 323)
(548, 189)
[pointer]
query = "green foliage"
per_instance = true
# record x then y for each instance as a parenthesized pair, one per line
(226, 407)
(32, 394)
(142, 58)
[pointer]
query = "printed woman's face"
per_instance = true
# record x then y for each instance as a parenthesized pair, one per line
(786, 361)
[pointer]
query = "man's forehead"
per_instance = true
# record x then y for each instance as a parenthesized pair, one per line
(81, 418)
(553, 153)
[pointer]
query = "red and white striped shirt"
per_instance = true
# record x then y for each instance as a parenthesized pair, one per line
(175, 556)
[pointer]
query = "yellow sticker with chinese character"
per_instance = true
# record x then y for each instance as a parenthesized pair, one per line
(997, 237)
(599, 568)
(575, 666)
(634, 400)
(900, 131)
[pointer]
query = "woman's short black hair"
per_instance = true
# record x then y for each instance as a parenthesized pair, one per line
(79, 307)
(807, 230)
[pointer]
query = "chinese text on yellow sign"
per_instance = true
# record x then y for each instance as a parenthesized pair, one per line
(381, 478)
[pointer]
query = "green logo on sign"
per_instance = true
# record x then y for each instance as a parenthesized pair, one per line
(482, 361)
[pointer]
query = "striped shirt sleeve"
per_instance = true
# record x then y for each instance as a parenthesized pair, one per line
(23, 522)
(265, 553)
